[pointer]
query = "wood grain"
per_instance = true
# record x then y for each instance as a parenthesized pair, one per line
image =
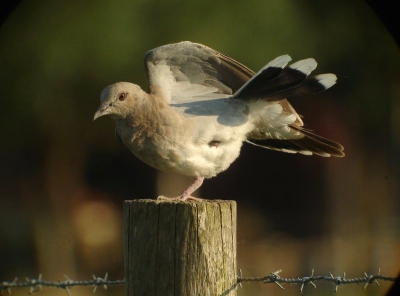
(180, 248)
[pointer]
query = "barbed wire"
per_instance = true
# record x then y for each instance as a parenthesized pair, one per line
(38, 284)
(274, 277)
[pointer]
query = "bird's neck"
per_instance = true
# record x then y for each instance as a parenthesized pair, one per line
(147, 119)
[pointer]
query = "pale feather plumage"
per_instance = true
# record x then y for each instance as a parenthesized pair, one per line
(202, 105)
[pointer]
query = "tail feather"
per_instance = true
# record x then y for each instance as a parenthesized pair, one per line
(307, 145)
(277, 124)
(327, 142)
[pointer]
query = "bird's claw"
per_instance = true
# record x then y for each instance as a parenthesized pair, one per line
(179, 198)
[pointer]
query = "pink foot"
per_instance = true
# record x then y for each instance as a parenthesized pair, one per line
(186, 194)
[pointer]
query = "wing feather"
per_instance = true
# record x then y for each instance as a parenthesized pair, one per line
(190, 71)
(188, 75)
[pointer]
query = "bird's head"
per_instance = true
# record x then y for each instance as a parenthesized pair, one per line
(119, 99)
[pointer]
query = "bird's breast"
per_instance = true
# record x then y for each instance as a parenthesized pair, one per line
(191, 149)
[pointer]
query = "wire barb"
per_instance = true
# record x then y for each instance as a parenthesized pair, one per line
(371, 279)
(240, 276)
(100, 281)
(307, 280)
(273, 277)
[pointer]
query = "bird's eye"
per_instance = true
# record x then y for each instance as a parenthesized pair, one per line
(122, 96)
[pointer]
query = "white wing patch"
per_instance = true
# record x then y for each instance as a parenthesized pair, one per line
(163, 79)
(184, 91)
(174, 91)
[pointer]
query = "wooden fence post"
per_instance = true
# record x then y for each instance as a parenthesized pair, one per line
(180, 248)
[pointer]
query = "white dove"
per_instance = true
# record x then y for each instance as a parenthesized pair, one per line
(202, 105)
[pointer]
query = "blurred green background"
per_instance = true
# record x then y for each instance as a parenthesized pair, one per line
(63, 178)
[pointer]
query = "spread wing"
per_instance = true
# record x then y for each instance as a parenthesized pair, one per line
(186, 72)
(188, 75)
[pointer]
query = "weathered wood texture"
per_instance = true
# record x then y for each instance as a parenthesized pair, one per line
(180, 248)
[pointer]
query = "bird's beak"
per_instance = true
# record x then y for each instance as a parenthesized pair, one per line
(100, 112)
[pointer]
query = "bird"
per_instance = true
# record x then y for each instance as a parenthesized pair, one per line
(201, 106)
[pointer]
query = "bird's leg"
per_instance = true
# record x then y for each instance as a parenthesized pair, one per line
(186, 194)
